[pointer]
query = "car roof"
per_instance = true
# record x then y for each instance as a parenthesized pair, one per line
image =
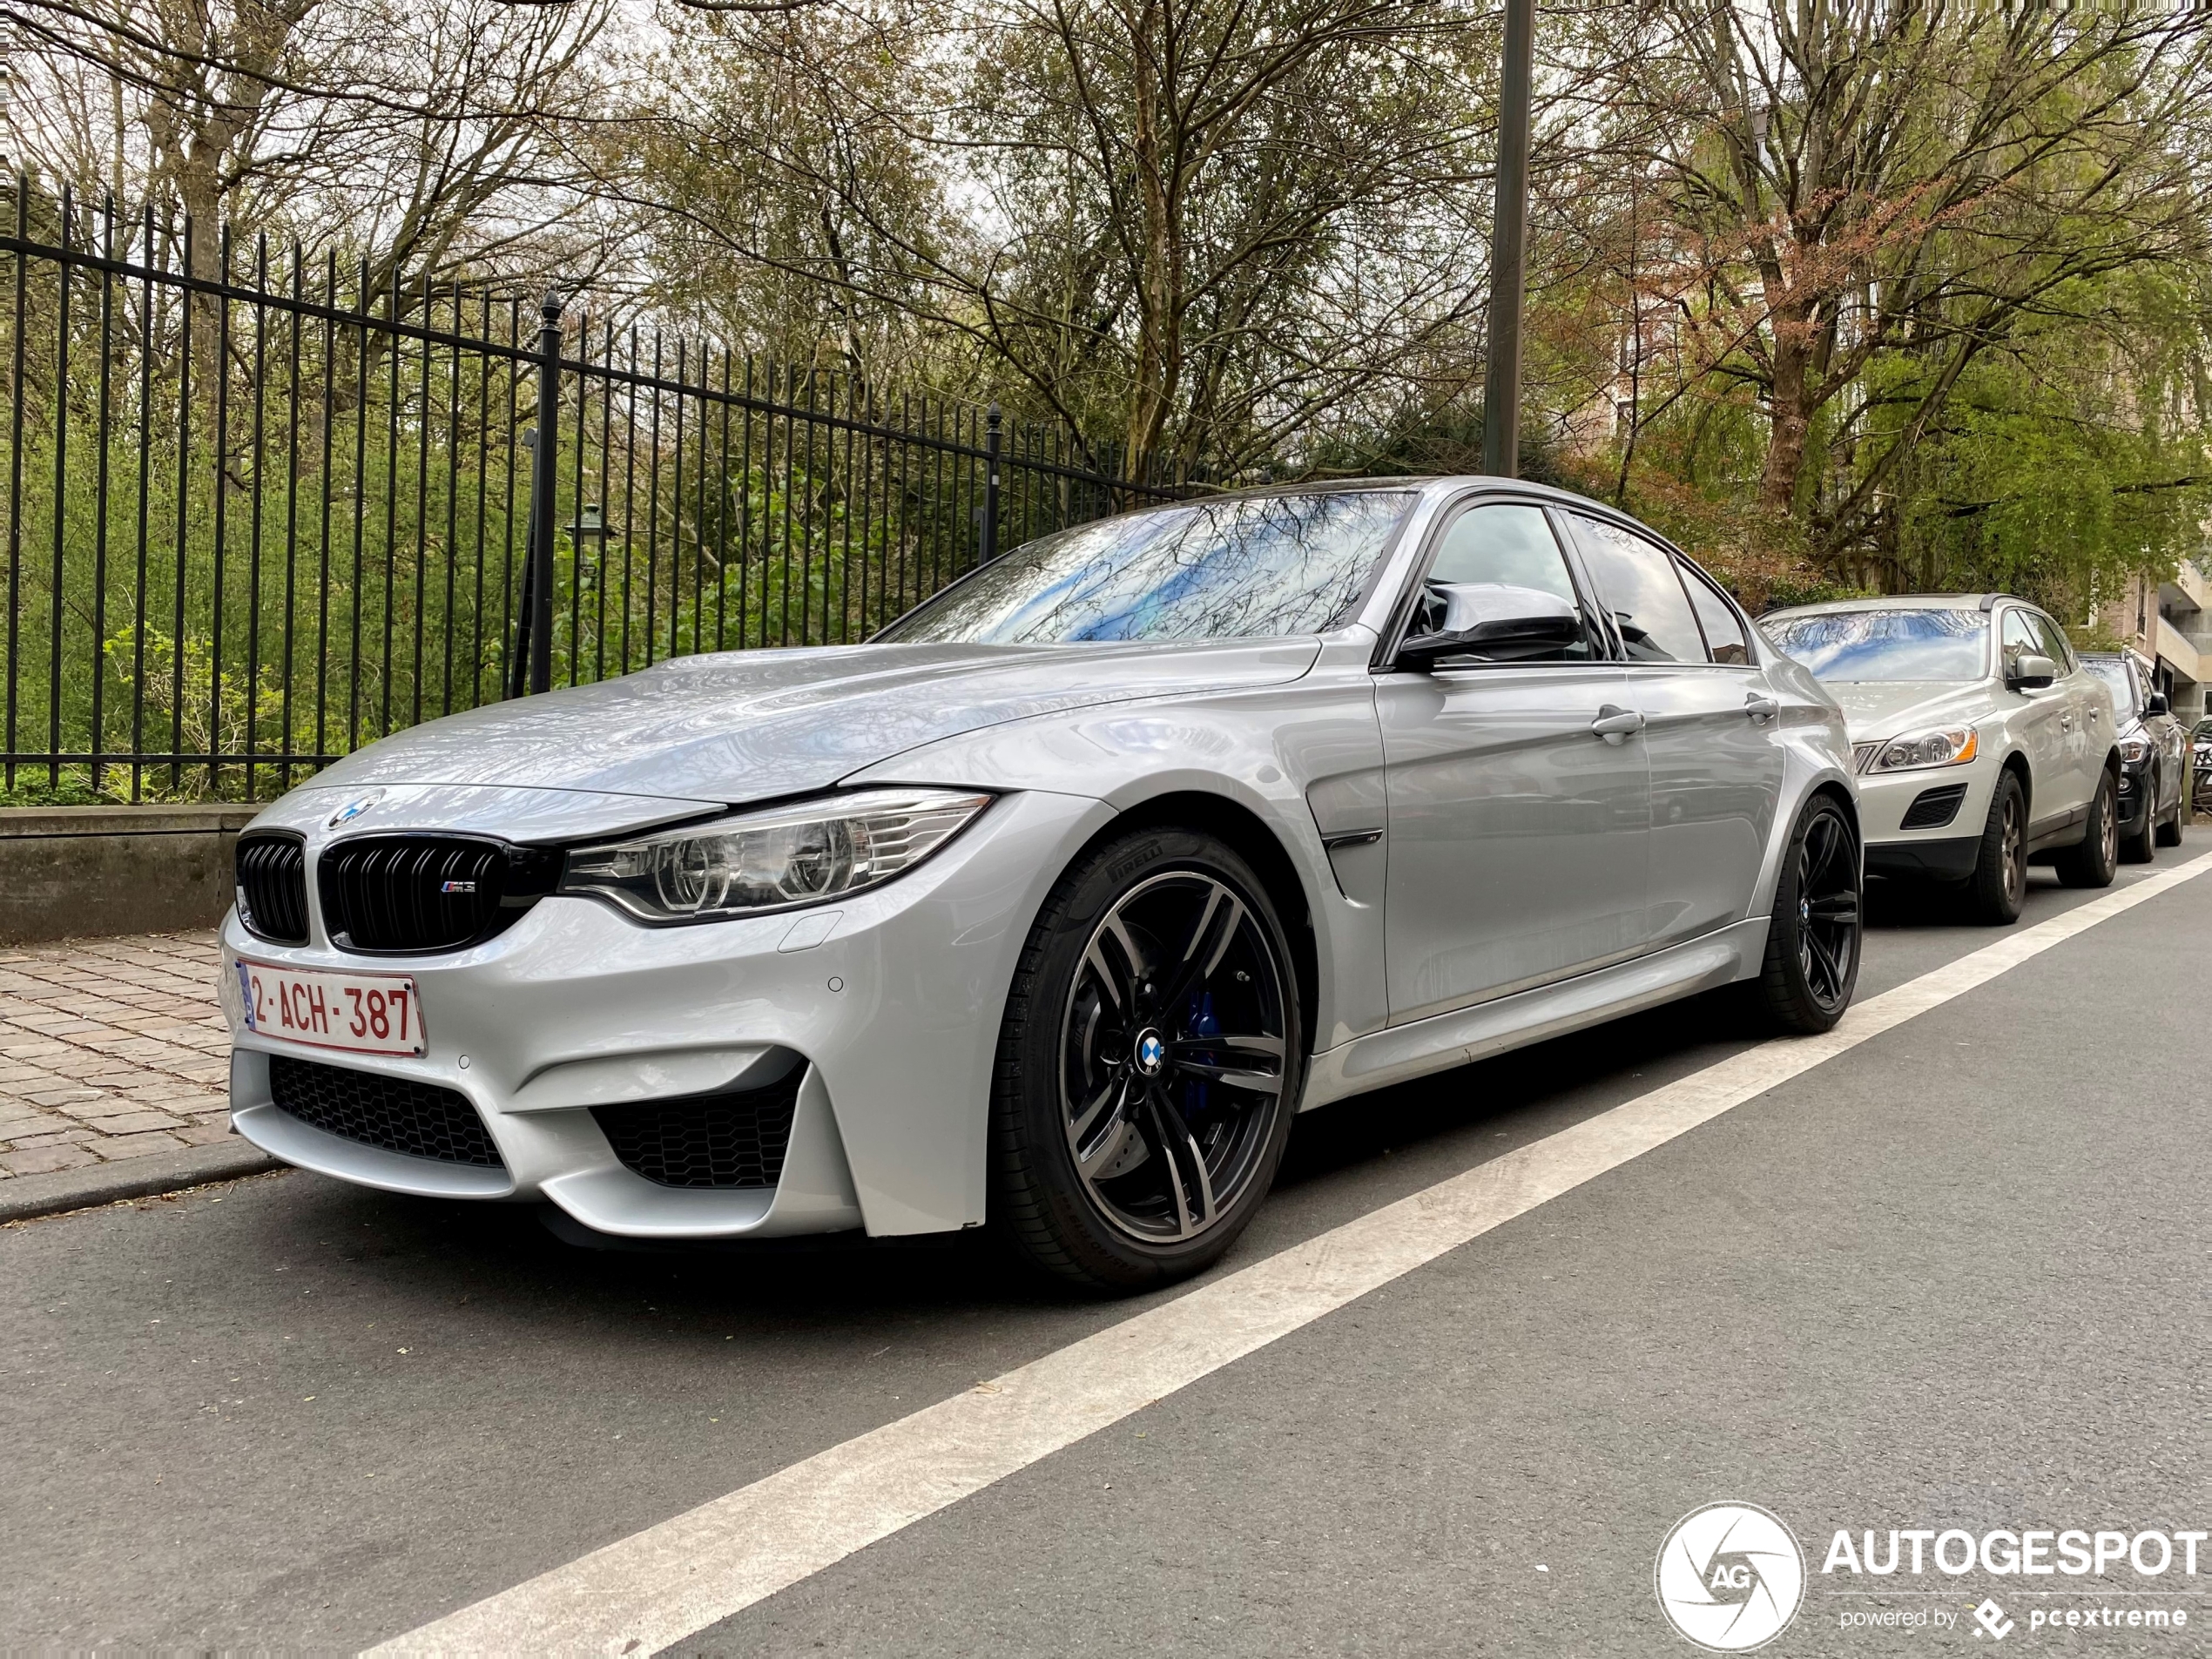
(1905, 602)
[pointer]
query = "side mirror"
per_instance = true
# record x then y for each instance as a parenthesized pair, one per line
(1494, 622)
(2156, 702)
(2030, 672)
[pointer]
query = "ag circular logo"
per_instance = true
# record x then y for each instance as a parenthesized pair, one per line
(1729, 1577)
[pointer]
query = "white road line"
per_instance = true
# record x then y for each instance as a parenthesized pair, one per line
(666, 1582)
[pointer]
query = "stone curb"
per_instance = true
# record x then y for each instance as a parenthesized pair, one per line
(24, 1196)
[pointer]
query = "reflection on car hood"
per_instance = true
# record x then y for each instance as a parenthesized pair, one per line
(1878, 708)
(750, 725)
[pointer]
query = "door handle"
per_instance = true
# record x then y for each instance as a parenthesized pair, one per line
(1616, 725)
(1761, 708)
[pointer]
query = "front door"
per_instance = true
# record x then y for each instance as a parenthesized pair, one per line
(1710, 732)
(2043, 724)
(1518, 835)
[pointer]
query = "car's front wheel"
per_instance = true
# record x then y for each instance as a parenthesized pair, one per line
(2169, 833)
(1149, 1064)
(2095, 860)
(1811, 964)
(2140, 844)
(1998, 886)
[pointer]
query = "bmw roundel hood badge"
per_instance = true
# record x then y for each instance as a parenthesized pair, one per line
(353, 809)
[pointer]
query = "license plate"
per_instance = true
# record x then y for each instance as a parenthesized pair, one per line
(365, 1013)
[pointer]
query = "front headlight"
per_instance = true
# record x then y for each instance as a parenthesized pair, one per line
(2134, 749)
(777, 859)
(1949, 746)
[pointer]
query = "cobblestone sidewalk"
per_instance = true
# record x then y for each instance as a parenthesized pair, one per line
(108, 1049)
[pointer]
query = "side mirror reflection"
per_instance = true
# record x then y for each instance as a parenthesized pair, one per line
(2031, 672)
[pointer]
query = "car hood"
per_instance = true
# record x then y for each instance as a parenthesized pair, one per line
(1878, 708)
(737, 726)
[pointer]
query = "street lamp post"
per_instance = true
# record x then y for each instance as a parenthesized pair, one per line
(1501, 375)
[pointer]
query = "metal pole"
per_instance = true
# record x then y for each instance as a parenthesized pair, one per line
(544, 465)
(518, 667)
(1502, 375)
(991, 483)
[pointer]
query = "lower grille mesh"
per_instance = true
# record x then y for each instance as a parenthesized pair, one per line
(1934, 807)
(728, 1140)
(422, 1120)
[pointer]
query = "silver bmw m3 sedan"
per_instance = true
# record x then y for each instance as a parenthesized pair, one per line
(1051, 905)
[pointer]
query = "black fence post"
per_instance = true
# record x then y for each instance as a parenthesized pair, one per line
(544, 469)
(519, 662)
(991, 483)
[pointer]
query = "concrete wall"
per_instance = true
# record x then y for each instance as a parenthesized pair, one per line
(71, 871)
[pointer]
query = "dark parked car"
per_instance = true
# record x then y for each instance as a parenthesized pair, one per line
(2154, 758)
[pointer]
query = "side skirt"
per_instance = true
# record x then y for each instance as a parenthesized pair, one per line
(1443, 1041)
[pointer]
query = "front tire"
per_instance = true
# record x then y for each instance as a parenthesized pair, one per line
(2095, 860)
(1812, 965)
(1149, 1064)
(2169, 833)
(1997, 887)
(2142, 846)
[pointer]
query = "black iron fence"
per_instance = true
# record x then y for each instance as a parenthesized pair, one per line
(263, 510)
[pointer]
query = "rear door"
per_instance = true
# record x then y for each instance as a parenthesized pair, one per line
(1517, 835)
(1716, 768)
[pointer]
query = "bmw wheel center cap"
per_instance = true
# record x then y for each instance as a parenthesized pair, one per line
(1151, 1053)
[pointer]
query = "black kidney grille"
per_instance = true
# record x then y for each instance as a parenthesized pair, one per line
(273, 887)
(731, 1141)
(422, 1120)
(1934, 807)
(405, 893)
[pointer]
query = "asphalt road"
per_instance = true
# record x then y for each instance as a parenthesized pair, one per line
(1955, 1276)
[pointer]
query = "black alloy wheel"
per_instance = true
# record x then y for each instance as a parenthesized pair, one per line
(2139, 845)
(1149, 1064)
(2094, 860)
(1998, 886)
(2169, 828)
(1812, 950)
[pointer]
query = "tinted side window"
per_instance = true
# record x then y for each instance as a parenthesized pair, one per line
(1636, 582)
(1723, 633)
(1506, 544)
(2019, 637)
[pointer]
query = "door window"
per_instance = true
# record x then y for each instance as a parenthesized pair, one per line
(1504, 542)
(2055, 644)
(1723, 633)
(2019, 639)
(1636, 582)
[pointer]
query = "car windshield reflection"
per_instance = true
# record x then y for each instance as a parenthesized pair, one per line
(1253, 568)
(1938, 643)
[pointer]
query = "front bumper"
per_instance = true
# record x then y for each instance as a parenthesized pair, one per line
(2135, 795)
(891, 1001)
(1946, 838)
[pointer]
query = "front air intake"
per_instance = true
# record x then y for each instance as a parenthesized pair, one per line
(1934, 808)
(396, 1114)
(732, 1141)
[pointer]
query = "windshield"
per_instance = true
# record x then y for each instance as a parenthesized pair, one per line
(1244, 569)
(1934, 644)
(2114, 675)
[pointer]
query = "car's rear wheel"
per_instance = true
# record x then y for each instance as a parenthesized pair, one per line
(2094, 859)
(1149, 1064)
(1812, 952)
(1998, 886)
(2140, 844)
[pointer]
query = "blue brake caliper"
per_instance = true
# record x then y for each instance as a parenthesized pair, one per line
(1201, 1023)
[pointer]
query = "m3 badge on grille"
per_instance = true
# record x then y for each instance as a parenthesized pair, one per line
(456, 887)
